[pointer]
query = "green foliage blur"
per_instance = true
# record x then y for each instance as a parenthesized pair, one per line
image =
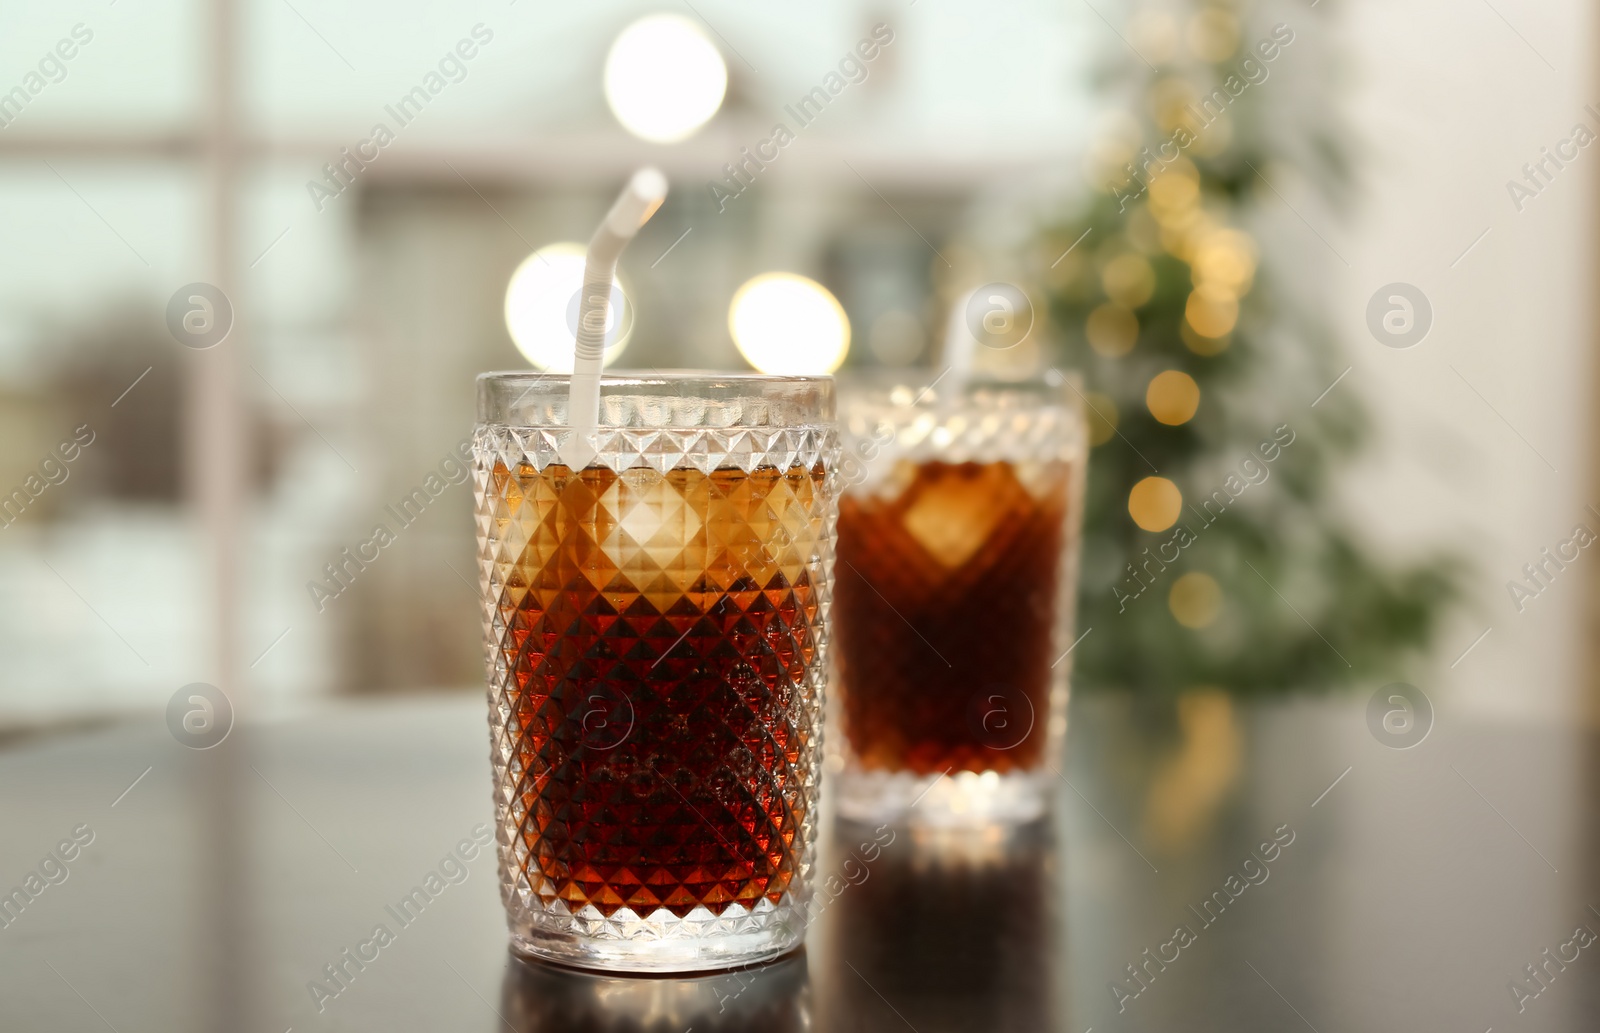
(1259, 583)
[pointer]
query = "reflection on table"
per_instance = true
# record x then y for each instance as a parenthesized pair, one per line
(949, 931)
(771, 998)
(1408, 889)
(941, 931)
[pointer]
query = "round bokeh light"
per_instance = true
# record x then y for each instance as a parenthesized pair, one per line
(540, 312)
(1173, 397)
(1195, 599)
(664, 79)
(789, 325)
(1155, 503)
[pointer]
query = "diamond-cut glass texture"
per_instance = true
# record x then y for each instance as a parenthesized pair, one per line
(949, 598)
(957, 576)
(655, 644)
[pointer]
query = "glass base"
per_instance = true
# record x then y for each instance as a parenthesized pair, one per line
(660, 942)
(963, 799)
(771, 998)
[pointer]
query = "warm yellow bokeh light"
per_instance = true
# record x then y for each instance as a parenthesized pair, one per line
(789, 325)
(1213, 34)
(1211, 311)
(540, 313)
(1195, 599)
(1173, 397)
(1155, 35)
(1102, 417)
(1128, 280)
(1196, 780)
(1112, 330)
(1155, 503)
(1175, 190)
(1170, 98)
(1207, 346)
(1225, 259)
(663, 78)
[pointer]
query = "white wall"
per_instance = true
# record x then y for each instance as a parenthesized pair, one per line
(1450, 102)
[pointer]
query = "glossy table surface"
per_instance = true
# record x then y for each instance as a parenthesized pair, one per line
(1397, 890)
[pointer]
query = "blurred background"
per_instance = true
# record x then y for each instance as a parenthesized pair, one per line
(360, 182)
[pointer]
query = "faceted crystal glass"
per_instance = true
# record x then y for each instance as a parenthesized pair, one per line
(953, 621)
(655, 631)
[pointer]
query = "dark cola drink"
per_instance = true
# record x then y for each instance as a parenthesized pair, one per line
(655, 645)
(952, 617)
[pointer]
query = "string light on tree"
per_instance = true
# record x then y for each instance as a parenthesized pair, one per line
(1205, 346)
(1225, 259)
(1155, 503)
(1175, 192)
(789, 325)
(1173, 397)
(1211, 311)
(664, 79)
(1195, 599)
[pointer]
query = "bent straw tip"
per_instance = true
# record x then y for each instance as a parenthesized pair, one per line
(649, 183)
(645, 191)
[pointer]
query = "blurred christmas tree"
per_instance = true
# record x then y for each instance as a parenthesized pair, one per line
(1214, 554)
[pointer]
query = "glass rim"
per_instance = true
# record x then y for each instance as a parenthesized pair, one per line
(661, 400)
(928, 389)
(870, 377)
(624, 378)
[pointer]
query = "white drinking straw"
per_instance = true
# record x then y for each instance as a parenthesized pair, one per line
(959, 348)
(637, 202)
